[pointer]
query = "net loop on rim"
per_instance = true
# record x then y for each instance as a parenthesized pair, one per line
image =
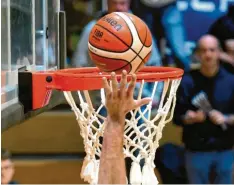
(143, 126)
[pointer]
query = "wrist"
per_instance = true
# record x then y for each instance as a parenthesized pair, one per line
(115, 123)
(113, 131)
(116, 118)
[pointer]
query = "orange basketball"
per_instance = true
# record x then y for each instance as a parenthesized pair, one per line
(120, 41)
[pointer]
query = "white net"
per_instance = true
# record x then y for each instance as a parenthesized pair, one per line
(143, 130)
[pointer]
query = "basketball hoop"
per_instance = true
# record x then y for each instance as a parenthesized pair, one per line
(143, 130)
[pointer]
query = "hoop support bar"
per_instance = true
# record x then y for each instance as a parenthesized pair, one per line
(35, 89)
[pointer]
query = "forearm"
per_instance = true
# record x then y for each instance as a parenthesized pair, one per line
(227, 58)
(112, 163)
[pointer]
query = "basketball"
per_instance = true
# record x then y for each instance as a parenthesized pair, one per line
(120, 41)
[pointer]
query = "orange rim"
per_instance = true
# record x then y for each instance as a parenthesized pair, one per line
(147, 73)
(90, 78)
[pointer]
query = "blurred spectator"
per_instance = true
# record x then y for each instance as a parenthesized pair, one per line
(208, 135)
(165, 20)
(223, 29)
(81, 56)
(7, 168)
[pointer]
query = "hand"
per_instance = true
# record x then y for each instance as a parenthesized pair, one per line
(227, 58)
(194, 117)
(217, 117)
(119, 100)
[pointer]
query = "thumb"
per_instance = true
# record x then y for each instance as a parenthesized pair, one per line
(142, 102)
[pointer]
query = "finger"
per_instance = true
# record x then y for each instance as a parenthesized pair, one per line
(142, 102)
(190, 114)
(114, 84)
(200, 112)
(132, 85)
(106, 86)
(123, 83)
(211, 115)
(221, 120)
(214, 119)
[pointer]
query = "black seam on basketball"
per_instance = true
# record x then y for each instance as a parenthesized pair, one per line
(128, 29)
(110, 58)
(122, 67)
(147, 36)
(109, 50)
(130, 63)
(137, 55)
(142, 62)
(146, 56)
(117, 59)
(136, 29)
(117, 38)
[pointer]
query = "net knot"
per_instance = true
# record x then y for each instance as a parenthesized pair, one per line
(162, 112)
(84, 106)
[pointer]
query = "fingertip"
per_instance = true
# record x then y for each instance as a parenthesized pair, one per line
(134, 77)
(124, 72)
(149, 99)
(112, 73)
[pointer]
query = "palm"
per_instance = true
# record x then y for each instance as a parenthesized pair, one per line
(120, 100)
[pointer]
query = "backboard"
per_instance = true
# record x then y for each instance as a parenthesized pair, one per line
(32, 39)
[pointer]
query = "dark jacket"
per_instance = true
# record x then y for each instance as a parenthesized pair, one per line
(220, 91)
(223, 28)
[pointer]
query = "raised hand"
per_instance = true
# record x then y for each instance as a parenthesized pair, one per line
(119, 97)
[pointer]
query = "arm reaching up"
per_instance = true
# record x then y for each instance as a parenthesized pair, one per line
(119, 101)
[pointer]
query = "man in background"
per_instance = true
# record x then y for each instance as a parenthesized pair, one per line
(7, 168)
(81, 57)
(208, 132)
